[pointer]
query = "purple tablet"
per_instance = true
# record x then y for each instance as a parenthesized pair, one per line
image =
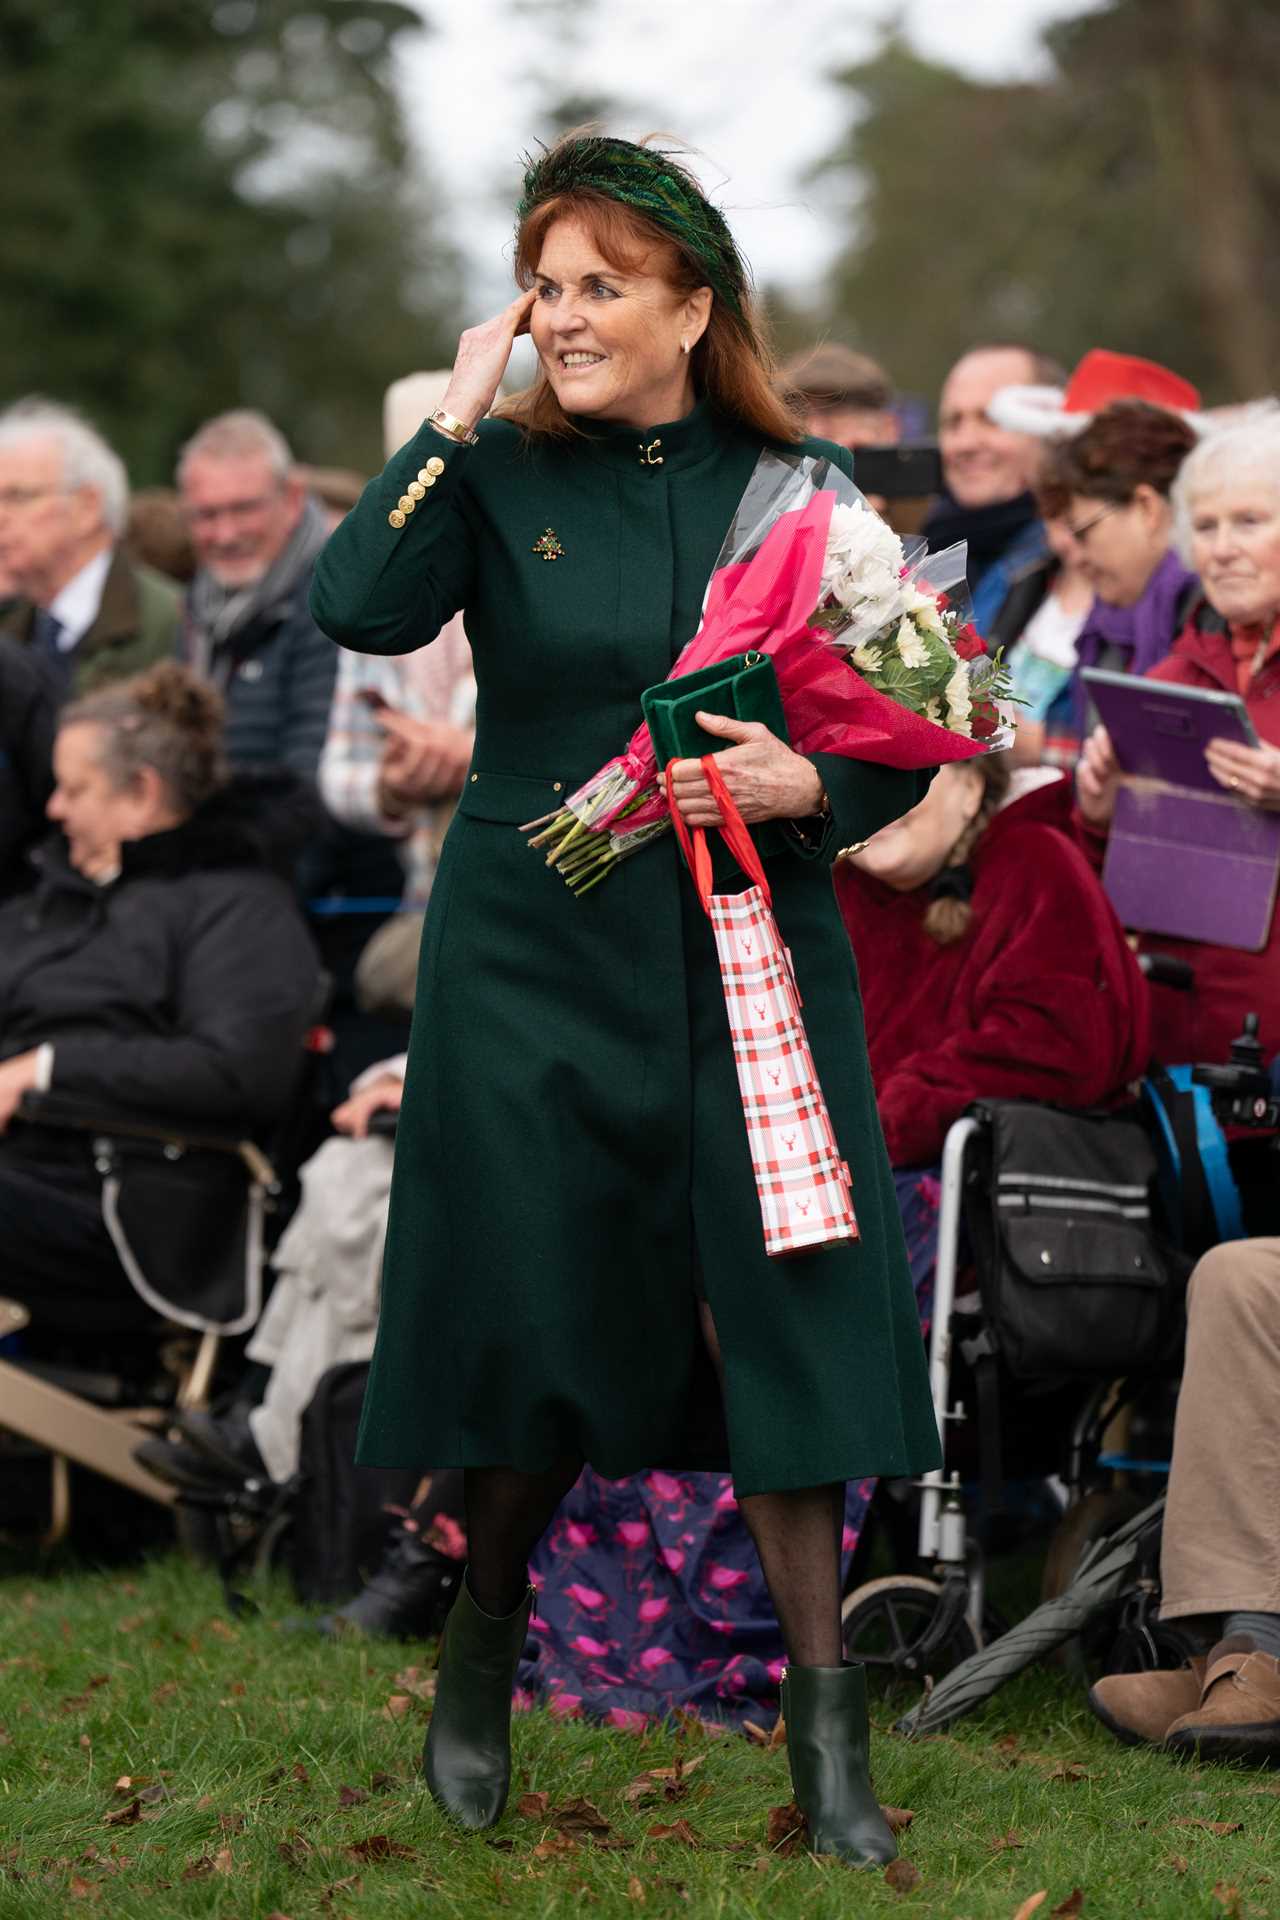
(1160, 730)
(1184, 856)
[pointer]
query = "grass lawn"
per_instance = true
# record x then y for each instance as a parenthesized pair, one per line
(158, 1759)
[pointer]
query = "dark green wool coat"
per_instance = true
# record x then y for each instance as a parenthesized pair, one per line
(572, 1160)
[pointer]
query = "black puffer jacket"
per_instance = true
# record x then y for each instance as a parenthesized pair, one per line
(184, 987)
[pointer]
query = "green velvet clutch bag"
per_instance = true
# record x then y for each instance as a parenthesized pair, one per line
(745, 687)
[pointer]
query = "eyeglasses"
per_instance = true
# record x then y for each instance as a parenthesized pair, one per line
(11, 498)
(1078, 533)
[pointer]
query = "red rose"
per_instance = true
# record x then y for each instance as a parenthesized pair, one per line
(969, 643)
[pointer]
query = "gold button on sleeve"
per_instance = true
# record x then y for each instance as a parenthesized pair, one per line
(395, 519)
(406, 503)
(416, 489)
(435, 465)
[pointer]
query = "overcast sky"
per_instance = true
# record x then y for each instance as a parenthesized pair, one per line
(744, 81)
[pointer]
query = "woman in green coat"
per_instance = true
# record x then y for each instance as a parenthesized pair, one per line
(574, 1239)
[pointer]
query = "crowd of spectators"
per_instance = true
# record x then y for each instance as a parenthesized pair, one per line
(181, 751)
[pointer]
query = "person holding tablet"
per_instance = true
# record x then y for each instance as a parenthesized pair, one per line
(1227, 511)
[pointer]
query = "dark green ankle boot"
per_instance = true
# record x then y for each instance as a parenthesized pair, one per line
(467, 1758)
(828, 1738)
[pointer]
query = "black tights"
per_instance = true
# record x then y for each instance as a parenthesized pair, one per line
(797, 1536)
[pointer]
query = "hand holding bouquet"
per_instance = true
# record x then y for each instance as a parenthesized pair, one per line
(873, 660)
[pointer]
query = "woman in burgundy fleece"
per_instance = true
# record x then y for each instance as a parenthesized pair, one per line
(991, 963)
(1227, 507)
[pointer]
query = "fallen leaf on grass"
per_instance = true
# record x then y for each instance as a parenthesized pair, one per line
(584, 1820)
(1071, 1772)
(555, 1843)
(351, 1796)
(132, 1621)
(1228, 1897)
(1212, 1826)
(165, 1692)
(294, 1851)
(1006, 1842)
(755, 1733)
(635, 1890)
(1177, 1863)
(785, 1830)
(533, 1806)
(898, 1819)
(397, 1706)
(902, 1876)
(124, 1816)
(662, 1783)
(379, 1846)
(85, 1889)
(1030, 1904)
(383, 1783)
(678, 1830)
(221, 1629)
(1074, 1903)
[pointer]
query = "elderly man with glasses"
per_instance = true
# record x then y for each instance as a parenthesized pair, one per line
(86, 612)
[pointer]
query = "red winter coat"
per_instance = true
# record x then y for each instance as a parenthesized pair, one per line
(1200, 1025)
(1040, 1000)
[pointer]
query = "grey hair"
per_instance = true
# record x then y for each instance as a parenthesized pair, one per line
(87, 460)
(167, 719)
(1246, 444)
(230, 436)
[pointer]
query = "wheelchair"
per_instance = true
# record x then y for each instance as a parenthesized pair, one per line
(55, 1405)
(1109, 1436)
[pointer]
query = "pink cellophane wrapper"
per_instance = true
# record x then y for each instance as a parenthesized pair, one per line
(802, 1183)
(764, 605)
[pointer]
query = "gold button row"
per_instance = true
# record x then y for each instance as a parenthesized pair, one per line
(415, 491)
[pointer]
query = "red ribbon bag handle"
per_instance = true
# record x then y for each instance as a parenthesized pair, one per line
(733, 830)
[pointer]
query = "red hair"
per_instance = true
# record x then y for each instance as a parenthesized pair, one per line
(733, 364)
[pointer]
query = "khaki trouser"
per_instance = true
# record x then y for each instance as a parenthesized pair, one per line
(1221, 1551)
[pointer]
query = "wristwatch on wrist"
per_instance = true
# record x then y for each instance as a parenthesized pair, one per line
(452, 428)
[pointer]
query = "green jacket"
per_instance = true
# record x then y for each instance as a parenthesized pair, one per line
(137, 624)
(572, 1162)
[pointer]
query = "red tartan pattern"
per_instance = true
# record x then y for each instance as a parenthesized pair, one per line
(802, 1183)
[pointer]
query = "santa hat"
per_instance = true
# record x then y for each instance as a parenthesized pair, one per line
(1059, 413)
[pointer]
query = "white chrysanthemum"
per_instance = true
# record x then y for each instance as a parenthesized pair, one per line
(912, 650)
(866, 657)
(864, 559)
(956, 695)
(933, 710)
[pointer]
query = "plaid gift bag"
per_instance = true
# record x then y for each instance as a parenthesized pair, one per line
(802, 1182)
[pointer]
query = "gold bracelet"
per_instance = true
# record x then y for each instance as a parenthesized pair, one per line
(452, 428)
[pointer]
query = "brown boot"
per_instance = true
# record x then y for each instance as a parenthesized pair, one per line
(1238, 1717)
(1140, 1707)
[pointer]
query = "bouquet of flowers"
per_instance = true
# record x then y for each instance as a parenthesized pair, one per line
(873, 657)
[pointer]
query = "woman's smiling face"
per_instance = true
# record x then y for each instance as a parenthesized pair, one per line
(610, 339)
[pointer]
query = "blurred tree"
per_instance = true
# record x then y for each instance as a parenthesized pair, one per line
(1130, 200)
(214, 205)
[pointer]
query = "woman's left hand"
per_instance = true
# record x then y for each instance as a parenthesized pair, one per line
(766, 780)
(1251, 772)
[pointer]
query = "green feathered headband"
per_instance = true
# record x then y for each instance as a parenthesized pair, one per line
(654, 184)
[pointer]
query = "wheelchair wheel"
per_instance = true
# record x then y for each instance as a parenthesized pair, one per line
(903, 1628)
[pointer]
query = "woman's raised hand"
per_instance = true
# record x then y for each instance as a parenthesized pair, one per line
(1098, 778)
(481, 360)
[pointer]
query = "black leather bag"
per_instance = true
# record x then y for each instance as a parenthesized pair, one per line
(1077, 1279)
